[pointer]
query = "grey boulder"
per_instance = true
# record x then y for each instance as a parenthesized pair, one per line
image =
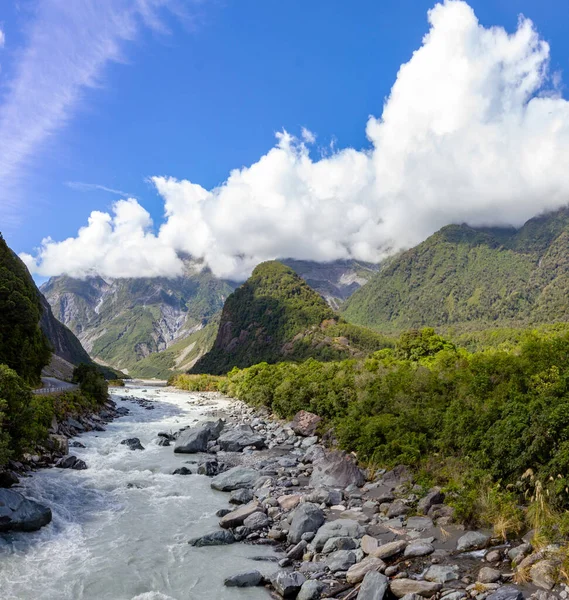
(247, 579)
(17, 513)
(374, 586)
(306, 518)
(235, 478)
(71, 462)
(341, 560)
(287, 583)
(133, 444)
(311, 590)
(239, 438)
(257, 520)
(507, 592)
(338, 528)
(195, 439)
(216, 538)
(336, 470)
(472, 540)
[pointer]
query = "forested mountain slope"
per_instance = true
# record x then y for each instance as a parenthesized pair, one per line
(275, 315)
(472, 278)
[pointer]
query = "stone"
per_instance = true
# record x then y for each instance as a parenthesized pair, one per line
(390, 549)
(357, 572)
(70, 462)
(398, 509)
(442, 573)
(195, 439)
(287, 583)
(247, 579)
(544, 574)
(209, 467)
(311, 590)
(237, 517)
(239, 438)
(435, 496)
(493, 556)
(420, 523)
(519, 552)
(297, 551)
(341, 560)
(305, 423)
(369, 544)
(336, 470)
(374, 586)
(306, 517)
(182, 471)
(472, 540)
(8, 479)
(418, 548)
(309, 441)
(401, 587)
(17, 513)
(288, 502)
(241, 496)
(488, 575)
(339, 543)
(133, 444)
(235, 478)
(257, 520)
(507, 592)
(338, 528)
(59, 443)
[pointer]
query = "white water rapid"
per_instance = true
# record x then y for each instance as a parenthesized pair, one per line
(120, 528)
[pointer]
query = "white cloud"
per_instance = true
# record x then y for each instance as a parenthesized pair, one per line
(68, 45)
(121, 245)
(474, 131)
(2, 39)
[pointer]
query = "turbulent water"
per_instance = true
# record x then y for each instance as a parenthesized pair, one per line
(120, 528)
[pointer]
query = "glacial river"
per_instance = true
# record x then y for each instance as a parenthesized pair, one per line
(120, 528)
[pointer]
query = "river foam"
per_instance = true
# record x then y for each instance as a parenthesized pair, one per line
(120, 528)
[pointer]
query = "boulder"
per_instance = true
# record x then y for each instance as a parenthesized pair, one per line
(402, 587)
(472, 540)
(287, 583)
(237, 516)
(311, 590)
(338, 528)
(306, 517)
(288, 502)
(17, 513)
(489, 575)
(507, 592)
(208, 467)
(442, 573)
(216, 538)
(435, 496)
(517, 554)
(240, 496)
(544, 574)
(357, 572)
(341, 560)
(257, 520)
(418, 548)
(420, 523)
(398, 509)
(71, 462)
(133, 444)
(374, 586)
(195, 439)
(8, 479)
(235, 478)
(247, 579)
(390, 549)
(297, 551)
(305, 423)
(336, 470)
(240, 437)
(339, 543)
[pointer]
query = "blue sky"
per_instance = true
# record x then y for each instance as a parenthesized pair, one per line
(198, 89)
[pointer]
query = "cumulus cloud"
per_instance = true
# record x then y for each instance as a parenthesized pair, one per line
(2, 39)
(474, 130)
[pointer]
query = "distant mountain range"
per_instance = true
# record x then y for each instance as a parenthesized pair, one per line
(470, 278)
(151, 327)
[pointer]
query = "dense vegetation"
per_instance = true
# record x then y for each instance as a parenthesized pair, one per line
(23, 345)
(472, 279)
(276, 316)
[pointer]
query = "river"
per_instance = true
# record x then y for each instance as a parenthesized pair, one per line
(120, 528)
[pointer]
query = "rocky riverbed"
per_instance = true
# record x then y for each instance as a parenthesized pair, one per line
(196, 496)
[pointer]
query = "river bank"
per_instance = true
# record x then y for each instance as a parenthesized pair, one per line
(221, 496)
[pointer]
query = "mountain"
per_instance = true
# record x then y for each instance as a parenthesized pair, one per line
(152, 327)
(121, 322)
(275, 315)
(472, 278)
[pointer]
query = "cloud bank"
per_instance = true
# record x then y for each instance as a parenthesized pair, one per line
(475, 130)
(69, 43)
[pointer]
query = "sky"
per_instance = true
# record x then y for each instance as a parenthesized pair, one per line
(132, 131)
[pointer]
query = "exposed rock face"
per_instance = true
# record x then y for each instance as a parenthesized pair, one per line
(305, 423)
(336, 470)
(17, 513)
